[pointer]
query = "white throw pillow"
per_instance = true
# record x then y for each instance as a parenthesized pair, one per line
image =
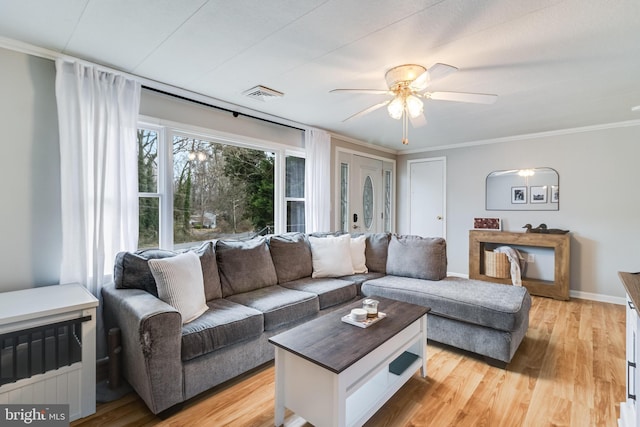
(181, 284)
(331, 256)
(358, 259)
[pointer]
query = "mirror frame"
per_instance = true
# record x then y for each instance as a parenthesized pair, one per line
(531, 189)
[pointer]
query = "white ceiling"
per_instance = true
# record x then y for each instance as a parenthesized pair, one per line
(554, 64)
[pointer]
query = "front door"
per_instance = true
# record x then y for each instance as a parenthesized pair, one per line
(365, 199)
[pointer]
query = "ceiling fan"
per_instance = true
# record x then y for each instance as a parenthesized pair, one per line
(407, 84)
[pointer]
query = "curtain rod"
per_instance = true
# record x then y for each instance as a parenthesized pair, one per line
(235, 113)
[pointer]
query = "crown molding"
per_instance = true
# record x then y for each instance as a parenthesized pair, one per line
(523, 137)
(53, 55)
(364, 144)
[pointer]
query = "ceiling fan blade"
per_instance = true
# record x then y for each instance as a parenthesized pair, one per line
(421, 82)
(367, 110)
(371, 91)
(417, 122)
(439, 71)
(436, 72)
(475, 98)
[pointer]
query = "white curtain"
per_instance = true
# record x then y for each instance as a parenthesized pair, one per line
(317, 189)
(97, 119)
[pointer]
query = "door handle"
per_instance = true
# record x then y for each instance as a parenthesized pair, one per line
(355, 217)
(439, 217)
(630, 365)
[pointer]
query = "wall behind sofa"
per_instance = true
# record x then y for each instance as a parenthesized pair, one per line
(599, 203)
(30, 224)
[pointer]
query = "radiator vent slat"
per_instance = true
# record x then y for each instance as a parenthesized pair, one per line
(37, 350)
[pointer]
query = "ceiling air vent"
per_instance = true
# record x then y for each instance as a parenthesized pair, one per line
(262, 93)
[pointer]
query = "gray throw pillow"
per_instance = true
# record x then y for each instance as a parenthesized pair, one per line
(131, 269)
(291, 256)
(212, 286)
(244, 266)
(417, 257)
(376, 250)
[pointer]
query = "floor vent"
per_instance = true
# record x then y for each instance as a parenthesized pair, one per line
(262, 93)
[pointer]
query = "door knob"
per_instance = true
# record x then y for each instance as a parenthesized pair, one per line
(439, 217)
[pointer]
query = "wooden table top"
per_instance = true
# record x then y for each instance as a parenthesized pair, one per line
(335, 345)
(631, 282)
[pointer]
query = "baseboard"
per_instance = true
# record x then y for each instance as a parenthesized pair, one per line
(573, 294)
(597, 297)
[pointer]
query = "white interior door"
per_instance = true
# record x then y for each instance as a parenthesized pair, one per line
(427, 184)
(365, 195)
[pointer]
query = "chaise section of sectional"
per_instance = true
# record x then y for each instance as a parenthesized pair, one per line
(485, 318)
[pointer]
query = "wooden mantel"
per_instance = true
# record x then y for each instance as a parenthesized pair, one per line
(560, 243)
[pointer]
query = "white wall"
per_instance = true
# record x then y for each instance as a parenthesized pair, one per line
(599, 200)
(30, 224)
(174, 109)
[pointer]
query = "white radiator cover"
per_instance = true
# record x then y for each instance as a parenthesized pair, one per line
(74, 384)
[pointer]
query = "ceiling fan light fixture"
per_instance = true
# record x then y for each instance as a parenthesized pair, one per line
(396, 108)
(415, 106)
(403, 75)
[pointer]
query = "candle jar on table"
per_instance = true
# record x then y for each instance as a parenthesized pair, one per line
(371, 306)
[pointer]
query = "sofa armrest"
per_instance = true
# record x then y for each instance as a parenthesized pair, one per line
(151, 343)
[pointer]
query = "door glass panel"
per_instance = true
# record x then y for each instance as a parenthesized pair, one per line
(367, 202)
(387, 201)
(344, 200)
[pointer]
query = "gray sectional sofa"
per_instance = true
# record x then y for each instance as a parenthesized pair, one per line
(256, 289)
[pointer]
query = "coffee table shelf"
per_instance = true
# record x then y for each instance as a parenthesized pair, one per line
(333, 374)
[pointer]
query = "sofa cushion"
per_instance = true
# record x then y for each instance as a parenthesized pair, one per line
(180, 284)
(225, 323)
(291, 256)
(280, 306)
(330, 291)
(244, 266)
(212, 286)
(376, 250)
(417, 257)
(131, 269)
(331, 256)
(359, 279)
(488, 304)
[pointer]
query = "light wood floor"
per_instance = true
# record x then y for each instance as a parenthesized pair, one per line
(568, 371)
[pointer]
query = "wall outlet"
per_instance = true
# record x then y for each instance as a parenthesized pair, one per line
(531, 258)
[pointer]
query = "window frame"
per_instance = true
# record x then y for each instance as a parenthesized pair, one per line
(168, 129)
(302, 155)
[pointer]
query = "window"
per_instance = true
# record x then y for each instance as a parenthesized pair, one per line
(294, 193)
(149, 196)
(202, 188)
(220, 190)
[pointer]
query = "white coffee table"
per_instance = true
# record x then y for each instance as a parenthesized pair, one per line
(334, 374)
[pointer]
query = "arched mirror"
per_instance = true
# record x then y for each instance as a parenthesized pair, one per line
(535, 189)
